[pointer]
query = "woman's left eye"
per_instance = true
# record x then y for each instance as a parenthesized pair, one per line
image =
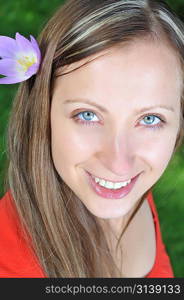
(152, 121)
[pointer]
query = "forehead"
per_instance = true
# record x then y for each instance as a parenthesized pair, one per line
(154, 49)
(141, 67)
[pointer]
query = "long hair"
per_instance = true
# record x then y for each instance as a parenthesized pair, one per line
(65, 237)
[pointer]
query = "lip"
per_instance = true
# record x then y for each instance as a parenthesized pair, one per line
(109, 193)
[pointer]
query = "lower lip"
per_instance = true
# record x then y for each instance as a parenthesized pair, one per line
(112, 194)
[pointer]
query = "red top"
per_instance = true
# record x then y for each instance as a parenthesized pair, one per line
(17, 260)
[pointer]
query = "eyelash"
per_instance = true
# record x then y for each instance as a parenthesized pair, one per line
(89, 123)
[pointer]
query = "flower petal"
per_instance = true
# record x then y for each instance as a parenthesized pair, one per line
(23, 44)
(20, 58)
(11, 80)
(8, 67)
(32, 70)
(36, 47)
(8, 47)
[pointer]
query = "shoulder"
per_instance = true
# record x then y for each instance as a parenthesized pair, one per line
(7, 211)
(16, 258)
(162, 266)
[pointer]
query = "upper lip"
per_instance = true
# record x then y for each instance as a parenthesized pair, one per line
(112, 180)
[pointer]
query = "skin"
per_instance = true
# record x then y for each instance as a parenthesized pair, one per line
(121, 144)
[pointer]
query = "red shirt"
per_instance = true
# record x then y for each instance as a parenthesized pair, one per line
(17, 259)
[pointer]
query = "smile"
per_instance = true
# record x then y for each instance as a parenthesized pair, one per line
(109, 184)
(109, 189)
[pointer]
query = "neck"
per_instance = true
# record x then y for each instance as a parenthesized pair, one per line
(113, 228)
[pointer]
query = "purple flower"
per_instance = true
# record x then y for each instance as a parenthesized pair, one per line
(20, 58)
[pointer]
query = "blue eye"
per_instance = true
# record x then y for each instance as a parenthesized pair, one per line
(151, 120)
(87, 116)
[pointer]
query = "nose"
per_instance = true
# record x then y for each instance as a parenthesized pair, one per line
(117, 155)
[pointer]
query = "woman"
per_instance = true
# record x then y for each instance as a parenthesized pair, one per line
(89, 136)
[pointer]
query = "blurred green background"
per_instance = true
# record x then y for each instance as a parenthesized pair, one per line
(29, 17)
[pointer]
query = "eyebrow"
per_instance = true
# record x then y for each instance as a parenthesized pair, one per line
(104, 110)
(101, 108)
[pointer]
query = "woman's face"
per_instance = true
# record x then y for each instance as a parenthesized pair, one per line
(116, 118)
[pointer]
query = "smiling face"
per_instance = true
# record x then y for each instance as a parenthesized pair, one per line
(130, 131)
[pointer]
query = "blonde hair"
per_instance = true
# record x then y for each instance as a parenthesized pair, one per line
(66, 237)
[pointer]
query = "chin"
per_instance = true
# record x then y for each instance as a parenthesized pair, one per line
(105, 214)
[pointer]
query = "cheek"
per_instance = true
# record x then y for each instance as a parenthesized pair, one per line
(158, 150)
(70, 146)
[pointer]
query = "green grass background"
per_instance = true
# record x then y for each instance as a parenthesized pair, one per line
(29, 17)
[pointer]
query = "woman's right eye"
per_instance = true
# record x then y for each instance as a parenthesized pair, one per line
(86, 117)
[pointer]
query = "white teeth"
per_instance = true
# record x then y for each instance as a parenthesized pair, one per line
(102, 182)
(118, 185)
(111, 185)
